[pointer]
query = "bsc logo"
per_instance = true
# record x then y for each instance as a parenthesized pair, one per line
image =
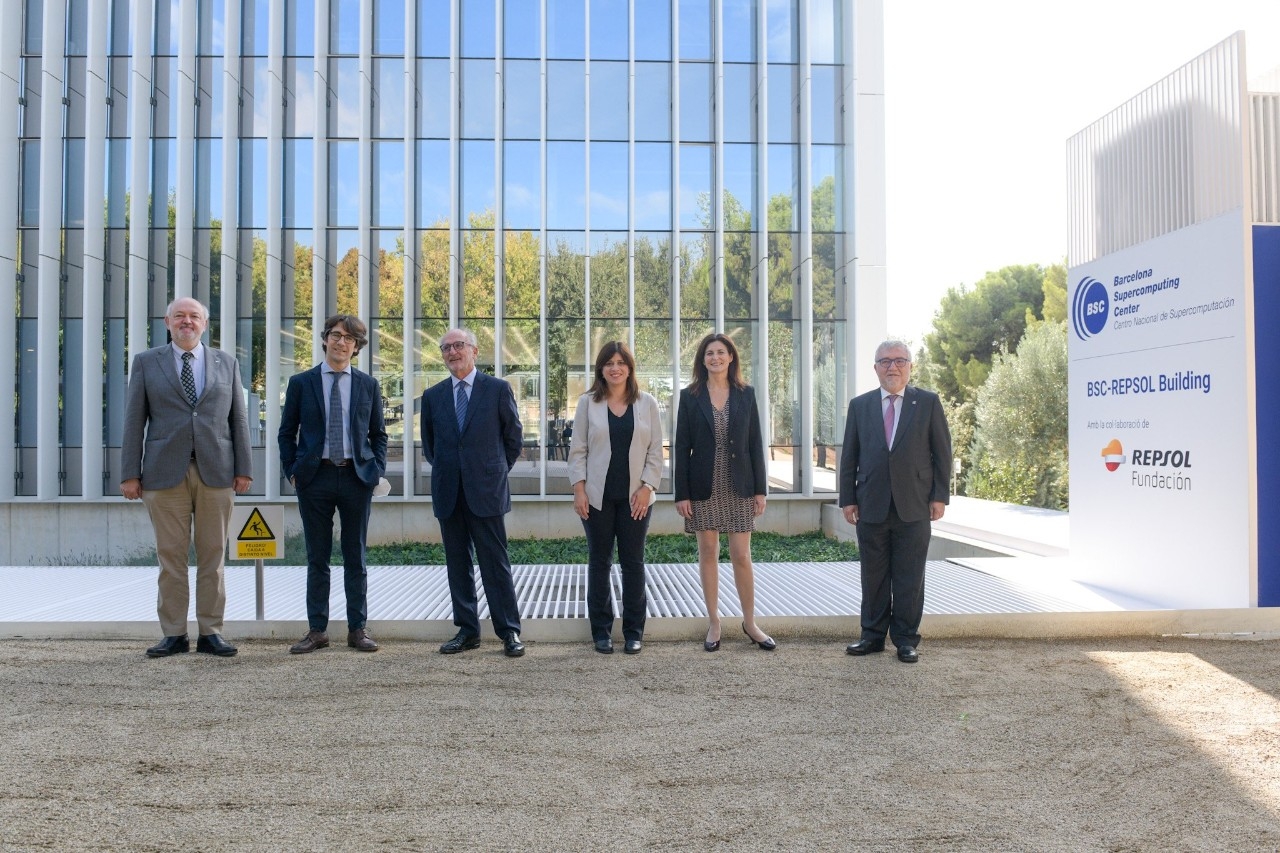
(1113, 455)
(1089, 308)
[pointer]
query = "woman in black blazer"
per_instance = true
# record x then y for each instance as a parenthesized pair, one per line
(720, 479)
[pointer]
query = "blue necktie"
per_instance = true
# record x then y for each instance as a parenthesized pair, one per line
(460, 404)
(336, 452)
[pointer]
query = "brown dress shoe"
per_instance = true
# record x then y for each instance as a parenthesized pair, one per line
(314, 640)
(360, 640)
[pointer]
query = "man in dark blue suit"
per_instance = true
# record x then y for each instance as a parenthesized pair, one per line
(895, 471)
(471, 436)
(333, 449)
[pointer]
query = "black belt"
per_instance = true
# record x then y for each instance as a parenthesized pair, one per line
(341, 464)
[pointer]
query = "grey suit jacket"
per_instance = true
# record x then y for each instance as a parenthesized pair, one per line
(590, 449)
(162, 429)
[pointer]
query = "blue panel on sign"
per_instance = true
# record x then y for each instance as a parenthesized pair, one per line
(1266, 319)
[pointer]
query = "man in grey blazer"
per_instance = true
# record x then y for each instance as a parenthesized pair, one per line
(895, 471)
(185, 452)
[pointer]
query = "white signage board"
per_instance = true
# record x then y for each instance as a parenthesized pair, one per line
(1159, 432)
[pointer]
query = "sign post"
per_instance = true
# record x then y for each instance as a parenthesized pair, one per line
(257, 533)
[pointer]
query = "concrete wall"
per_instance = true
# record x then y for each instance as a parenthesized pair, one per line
(36, 533)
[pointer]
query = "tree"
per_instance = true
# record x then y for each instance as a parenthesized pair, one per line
(1020, 443)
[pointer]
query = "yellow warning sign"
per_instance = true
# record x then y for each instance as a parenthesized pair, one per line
(255, 528)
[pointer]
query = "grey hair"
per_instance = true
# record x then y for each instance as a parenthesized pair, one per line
(169, 310)
(466, 333)
(893, 344)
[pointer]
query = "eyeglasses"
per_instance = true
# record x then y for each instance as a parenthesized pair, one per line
(455, 346)
(886, 363)
(339, 336)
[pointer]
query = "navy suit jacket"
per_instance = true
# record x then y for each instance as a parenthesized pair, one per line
(483, 451)
(302, 427)
(693, 458)
(916, 472)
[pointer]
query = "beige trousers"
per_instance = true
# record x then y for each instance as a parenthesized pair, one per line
(174, 512)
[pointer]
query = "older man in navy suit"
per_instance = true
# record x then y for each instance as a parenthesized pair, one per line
(471, 436)
(895, 474)
(333, 449)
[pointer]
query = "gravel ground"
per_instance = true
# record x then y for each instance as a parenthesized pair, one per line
(1130, 744)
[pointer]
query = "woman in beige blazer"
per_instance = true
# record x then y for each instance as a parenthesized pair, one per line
(615, 466)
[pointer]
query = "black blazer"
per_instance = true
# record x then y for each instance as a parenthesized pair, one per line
(693, 457)
(914, 474)
(484, 451)
(302, 427)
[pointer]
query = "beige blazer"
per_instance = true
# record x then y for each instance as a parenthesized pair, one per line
(589, 448)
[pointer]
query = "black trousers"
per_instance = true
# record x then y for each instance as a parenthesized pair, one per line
(461, 532)
(893, 554)
(335, 489)
(605, 526)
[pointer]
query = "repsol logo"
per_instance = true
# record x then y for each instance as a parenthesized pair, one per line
(1161, 458)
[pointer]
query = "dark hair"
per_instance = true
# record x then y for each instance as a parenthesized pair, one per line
(700, 368)
(354, 326)
(600, 387)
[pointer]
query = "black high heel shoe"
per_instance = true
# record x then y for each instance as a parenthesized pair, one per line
(709, 646)
(765, 645)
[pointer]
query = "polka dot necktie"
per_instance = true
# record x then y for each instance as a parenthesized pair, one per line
(188, 378)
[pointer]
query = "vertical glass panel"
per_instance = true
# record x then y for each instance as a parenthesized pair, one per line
(652, 270)
(344, 27)
(32, 78)
(522, 185)
(478, 293)
(118, 110)
(388, 98)
(783, 275)
(653, 101)
(477, 178)
(740, 211)
(433, 183)
(208, 183)
(740, 263)
(433, 98)
(433, 277)
(783, 36)
(299, 27)
(568, 371)
(695, 186)
(522, 29)
(34, 36)
(825, 124)
(653, 32)
(478, 30)
(695, 29)
(740, 103)
(696, 261)
(566, 29)
(521, 361)
(388, 271)
(609, 28)
(344, 184)
(522, 276)
(743, 336)
(253, 183)
(609, 294)
(522, 100)
(208, 266)
(609, 100)
(299, 176)
(388, 27)
(609, 185)
(164, 83)
(695, 101)
(255, 100)
(164, 177)
(477, 99)
(826, 172)
(653, 373)
(566, 185)
(210, 15)
(566, 100)
(344, 274)
(344, 97)
(784, 406)
(566, 276)
(121, 35)
(434, 26)
(300, 97)
(784, 104)
(209, 93)
(739, 24)
(828, 277)
(784, 188)
(653, 186)
(830, 397)
(165, 21)
(825, 24)
(77, 27)
(388, 184)
(73, 184)
(117, 178)
(254, 21)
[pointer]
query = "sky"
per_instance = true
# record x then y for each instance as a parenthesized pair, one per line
(980, 99)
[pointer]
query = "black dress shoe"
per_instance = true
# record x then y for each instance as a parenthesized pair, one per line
(314, 640)
(865, 647)
(633, 647)
(460, 643)
(213, 644)
(178, 645)
(511, 645)
(765, 645)
(605, 646)
(908, 654)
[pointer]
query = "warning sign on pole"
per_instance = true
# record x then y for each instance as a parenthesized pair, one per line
(256, 532)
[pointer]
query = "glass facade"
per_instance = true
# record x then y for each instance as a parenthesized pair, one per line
(552, 174)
